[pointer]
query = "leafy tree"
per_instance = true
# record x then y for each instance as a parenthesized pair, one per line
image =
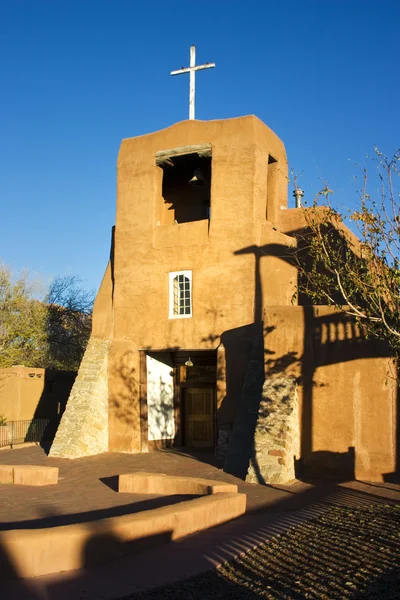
(23, 338)
(359, 275)
(43, 330)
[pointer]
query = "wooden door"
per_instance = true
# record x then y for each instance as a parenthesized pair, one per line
(199, 417)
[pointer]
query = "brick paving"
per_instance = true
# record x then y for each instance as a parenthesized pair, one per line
(86, 488)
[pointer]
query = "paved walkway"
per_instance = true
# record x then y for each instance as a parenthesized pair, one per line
(86, 491)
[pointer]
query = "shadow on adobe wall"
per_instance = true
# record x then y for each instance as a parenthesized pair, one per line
(33, 403)
(327, 465)
(53, 401)
(327, 340)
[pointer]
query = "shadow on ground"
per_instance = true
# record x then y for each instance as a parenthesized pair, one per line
(345, 553)
(336, 539)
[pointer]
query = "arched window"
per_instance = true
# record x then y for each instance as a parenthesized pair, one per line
(180, 294)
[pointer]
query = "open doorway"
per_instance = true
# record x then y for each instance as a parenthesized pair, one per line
(195, 388)
(178, 399)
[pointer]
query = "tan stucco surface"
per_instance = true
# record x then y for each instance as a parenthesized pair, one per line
(242, 283)
(37, 552)
(28, 475)
(145, 253)
(24, 394)
(347, 405)
(223, 254)
(169, 485)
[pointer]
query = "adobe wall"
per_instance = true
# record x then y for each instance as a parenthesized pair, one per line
(232, 276)
(27, 393)
(20, 391)
(220, 252)
(347, 399)
(345, 416)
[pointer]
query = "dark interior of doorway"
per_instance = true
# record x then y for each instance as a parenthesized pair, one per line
(192, 369)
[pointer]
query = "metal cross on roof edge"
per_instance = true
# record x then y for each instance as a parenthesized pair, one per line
(192, 70)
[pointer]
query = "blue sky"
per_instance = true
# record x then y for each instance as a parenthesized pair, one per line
(78, 76)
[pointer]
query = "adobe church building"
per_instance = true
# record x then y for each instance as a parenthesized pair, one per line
(196, 342)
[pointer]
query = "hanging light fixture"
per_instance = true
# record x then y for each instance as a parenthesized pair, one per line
(188, 363)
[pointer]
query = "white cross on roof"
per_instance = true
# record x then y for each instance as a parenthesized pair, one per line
(192, 70)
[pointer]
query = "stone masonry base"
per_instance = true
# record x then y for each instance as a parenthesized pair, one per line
(276, 436)
(83, 430)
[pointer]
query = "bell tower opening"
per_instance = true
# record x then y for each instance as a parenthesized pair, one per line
(186, 184)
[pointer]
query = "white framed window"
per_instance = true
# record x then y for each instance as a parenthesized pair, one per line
(180, 294)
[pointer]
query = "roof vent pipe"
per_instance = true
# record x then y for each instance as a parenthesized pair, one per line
(298, 195)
